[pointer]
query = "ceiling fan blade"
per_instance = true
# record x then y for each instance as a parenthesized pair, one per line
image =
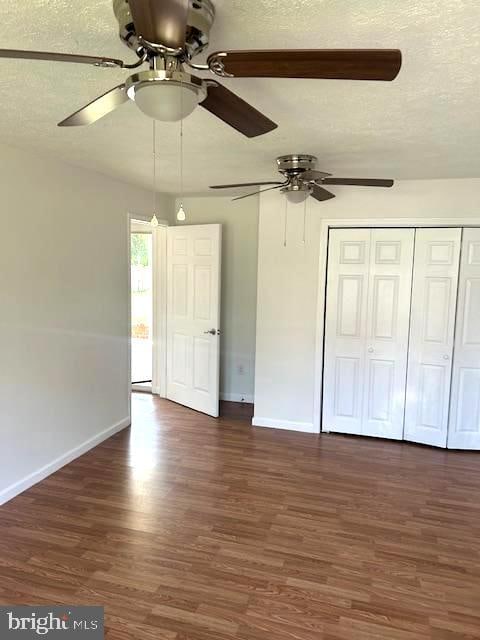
(161, 22)
(244, 184)
(321, 194)
(314, 175)
(359, 182)
(334, 64)
(256, 193)
(97, 108)
(60, 57)
(227, 106)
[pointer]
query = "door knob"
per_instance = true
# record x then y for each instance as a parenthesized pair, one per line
(446, 357)
(213, 332)
(370, 349)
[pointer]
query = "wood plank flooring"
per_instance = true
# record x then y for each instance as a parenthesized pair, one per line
(188, 528)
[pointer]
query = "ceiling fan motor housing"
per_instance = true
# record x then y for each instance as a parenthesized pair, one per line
(293, 166)
(201, 16)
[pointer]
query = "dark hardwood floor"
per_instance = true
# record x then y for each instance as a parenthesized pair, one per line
(189, 528)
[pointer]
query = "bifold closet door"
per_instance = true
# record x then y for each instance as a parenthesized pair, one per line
(434, 296)
(388, 324)
(366, 333)
(345, 329)
(464, 427)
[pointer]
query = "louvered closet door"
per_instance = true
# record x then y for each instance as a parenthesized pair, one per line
(464, 427)
(366, 336)
(388, 323)
(434, 297)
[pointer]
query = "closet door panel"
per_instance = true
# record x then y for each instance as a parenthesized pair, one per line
(345, 329)
(464, 427)
(388, 321)
(434, 295)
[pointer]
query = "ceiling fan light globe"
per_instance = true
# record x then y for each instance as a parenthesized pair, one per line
(165, 101)
(297, 196)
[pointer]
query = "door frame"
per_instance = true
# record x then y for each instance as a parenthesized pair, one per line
(159, 258)
(159, 332)
(356, 223)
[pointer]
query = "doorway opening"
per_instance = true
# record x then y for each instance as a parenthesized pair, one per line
(174, 281)
(141, 278)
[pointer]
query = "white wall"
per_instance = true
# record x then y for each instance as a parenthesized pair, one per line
(285, 390)
(239, 222)
(63, 312)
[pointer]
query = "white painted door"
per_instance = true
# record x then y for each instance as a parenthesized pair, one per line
(434, 295)
(366, 336)
(388, 323)
(464, 427)
(193, 316)
(345, 329)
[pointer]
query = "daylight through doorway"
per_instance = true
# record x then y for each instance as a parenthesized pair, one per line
(141, 305)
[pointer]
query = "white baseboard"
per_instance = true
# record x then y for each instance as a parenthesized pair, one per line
(236, 397)
(142, 388)
(306, 427)
(25, 483)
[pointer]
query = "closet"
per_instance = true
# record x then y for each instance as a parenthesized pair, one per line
(402, 335)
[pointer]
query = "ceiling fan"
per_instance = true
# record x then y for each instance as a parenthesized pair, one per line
(168, 34)
(302, 180)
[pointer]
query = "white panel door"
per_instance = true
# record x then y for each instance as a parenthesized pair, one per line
(193, 316)
(388, 323)
(434, 296)
(345, 329)
(464, 427)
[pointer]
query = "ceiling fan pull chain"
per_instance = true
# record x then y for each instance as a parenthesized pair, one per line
(154, 149)
(181, 215)
(304, 219)
(154, 220)
(181, 141)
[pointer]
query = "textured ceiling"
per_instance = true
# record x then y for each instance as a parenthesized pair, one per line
(423, 125)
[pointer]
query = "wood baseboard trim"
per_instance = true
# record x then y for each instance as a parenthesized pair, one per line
(28, 481)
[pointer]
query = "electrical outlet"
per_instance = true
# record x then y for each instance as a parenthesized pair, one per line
(241, 369)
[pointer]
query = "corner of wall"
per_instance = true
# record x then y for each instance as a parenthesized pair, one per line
(272, 423)
(33, 478)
